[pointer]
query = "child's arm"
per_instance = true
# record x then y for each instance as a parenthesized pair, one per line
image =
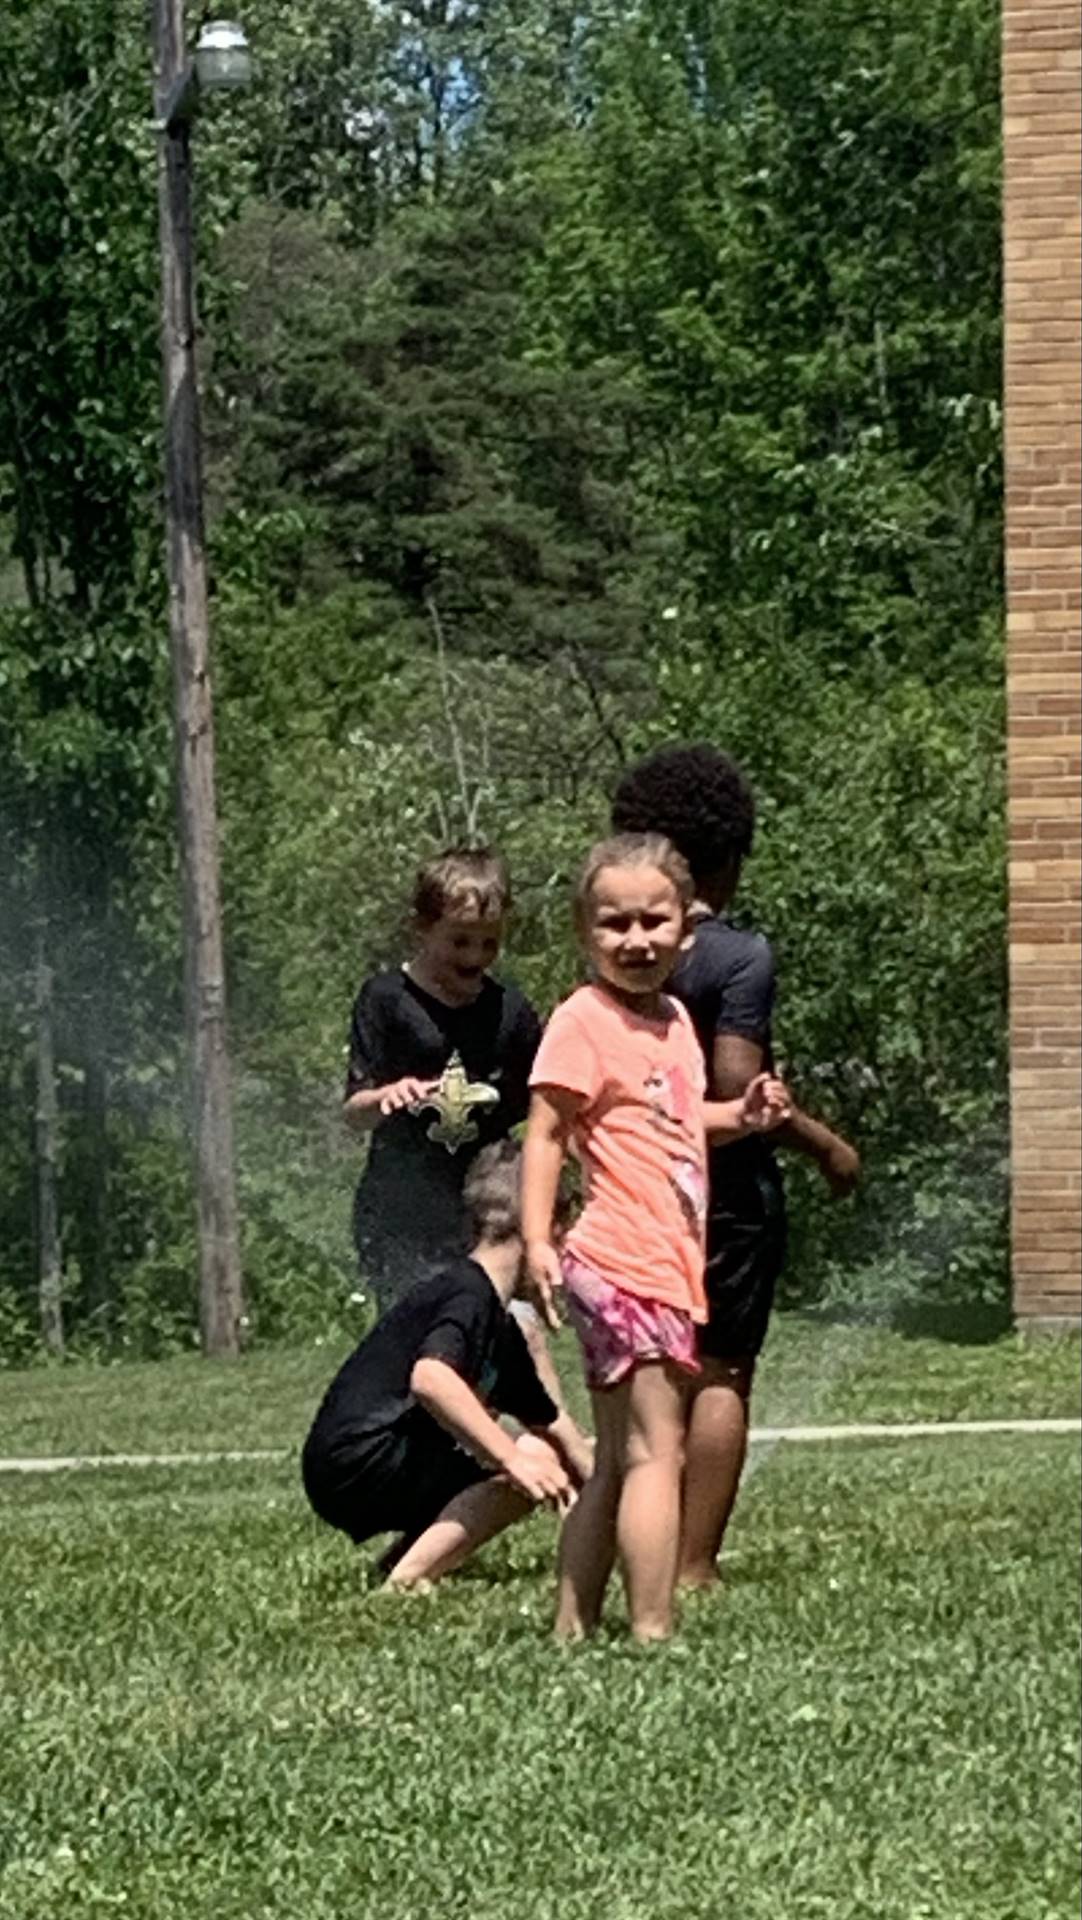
(837, 1160)
(573, 1447)
(763, 1107)
(364, 1110)
(548, 1131)
(374, 1056)
(736, 1062)
(446, 1396)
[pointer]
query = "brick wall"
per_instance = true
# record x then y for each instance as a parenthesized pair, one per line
(1043, 249)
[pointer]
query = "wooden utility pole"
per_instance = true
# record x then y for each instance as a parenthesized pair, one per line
(221, 1296)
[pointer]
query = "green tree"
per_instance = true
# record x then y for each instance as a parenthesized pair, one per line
(79, 664)
(793, 236)
(388, 398)
(576, 380)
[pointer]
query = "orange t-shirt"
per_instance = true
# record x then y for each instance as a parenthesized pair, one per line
(640, 1139)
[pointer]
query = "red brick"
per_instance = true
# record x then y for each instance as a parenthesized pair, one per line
(1042, 91)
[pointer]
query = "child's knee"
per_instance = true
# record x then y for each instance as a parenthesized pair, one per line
(665, 1449)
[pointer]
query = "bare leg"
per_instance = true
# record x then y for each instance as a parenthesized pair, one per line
(471, 1518)
(541, 1354)
(588, 1542)
(717, 1446)
(578, 1447)
(648, 1525)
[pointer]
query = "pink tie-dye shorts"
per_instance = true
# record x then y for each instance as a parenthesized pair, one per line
(619, 1330)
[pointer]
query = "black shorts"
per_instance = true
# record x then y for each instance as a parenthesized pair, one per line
(386, 1484)
(745, 1254)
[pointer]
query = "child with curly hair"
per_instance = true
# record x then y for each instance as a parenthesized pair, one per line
(701, 801)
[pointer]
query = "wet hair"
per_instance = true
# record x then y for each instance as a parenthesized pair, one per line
(493, 1196)
(698, 798)
(473, 879)
(630, 850)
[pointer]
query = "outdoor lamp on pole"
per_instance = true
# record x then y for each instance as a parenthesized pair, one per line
(221, 60)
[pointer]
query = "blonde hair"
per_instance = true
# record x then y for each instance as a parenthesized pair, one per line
(470, 878)
(632, 850)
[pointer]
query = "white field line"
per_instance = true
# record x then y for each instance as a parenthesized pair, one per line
(772, 1436)
(911, 1430)
(76, 1462)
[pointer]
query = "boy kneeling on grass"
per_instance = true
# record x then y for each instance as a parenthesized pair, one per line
(405, 1441)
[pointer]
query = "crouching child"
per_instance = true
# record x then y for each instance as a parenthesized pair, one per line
(407, 1440)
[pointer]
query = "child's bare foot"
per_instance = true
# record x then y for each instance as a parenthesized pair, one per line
(395, 1584)
(699, 1579)
(570, 1636)
(397, 1551)
(388, 1566)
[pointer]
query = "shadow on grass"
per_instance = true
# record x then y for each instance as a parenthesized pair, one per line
(491, 1568)
(958, 1324)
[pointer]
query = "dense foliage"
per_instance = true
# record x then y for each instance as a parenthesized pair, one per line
(571, 385)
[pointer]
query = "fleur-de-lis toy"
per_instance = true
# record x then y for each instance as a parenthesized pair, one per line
(452, 1103)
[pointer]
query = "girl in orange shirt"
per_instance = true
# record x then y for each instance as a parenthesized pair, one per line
(619, 1081)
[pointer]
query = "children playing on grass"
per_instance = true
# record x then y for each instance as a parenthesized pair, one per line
(670, 1044)
(619, 1080)
(406, 1440)
(699, 799)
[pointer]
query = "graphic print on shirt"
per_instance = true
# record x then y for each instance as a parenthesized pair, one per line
(673, 1109)
(453, 1102)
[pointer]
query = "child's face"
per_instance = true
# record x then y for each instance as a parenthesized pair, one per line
(636, 928)
(457, 950)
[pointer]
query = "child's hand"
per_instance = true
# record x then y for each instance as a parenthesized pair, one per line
(840, 1167)
(766, 1104)
(405, 1093)
(537, 1471)
(545, 1278)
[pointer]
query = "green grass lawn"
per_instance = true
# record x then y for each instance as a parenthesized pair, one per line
(205, 1714)
(809, 1373)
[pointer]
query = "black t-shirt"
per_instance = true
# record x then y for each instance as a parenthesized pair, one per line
(726, 981)
(410, 1193)
(455, 1315)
